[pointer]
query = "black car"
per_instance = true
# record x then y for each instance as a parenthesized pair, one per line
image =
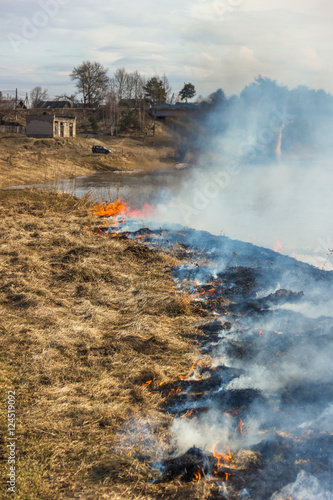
(101, 149)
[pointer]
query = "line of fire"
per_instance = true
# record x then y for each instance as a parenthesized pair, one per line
(253, 413)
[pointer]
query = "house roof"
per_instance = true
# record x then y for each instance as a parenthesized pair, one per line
(12, 104)
(62, 118)
(49, 117)
(54, 104)
(128, 102)
(163, 110)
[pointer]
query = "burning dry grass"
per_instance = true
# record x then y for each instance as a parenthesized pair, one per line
(90, 327)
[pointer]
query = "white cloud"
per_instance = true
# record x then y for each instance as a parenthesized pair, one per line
(214, 43)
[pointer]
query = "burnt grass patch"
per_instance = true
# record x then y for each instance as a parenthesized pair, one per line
(99, 344)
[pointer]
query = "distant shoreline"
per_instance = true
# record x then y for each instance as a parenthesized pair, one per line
(27, 161)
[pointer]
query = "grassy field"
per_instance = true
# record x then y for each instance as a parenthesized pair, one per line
(85, 323)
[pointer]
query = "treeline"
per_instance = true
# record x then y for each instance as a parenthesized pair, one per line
(126, 99)
(125, 94)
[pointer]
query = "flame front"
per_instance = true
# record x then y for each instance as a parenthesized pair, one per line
(121, 207)
(143, 212)
(104, 210)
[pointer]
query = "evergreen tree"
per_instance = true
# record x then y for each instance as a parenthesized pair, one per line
(155, 91)
(187, 92)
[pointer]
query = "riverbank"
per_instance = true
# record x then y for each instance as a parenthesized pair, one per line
(92, 331)
(25, 160)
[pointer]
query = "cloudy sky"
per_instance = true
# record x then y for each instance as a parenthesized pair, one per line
(211, 43)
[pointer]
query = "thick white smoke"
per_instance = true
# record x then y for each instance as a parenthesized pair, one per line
(265, 172)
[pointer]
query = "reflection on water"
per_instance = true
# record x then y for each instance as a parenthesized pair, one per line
(134, 188)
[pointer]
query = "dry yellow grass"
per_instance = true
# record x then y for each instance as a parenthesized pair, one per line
(85, 321)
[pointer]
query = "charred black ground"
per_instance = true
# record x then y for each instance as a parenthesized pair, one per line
(270, 383)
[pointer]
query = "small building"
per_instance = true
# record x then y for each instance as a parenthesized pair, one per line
(129, 103)
(161, 111)
(50, 126)
(11, 127)
(54, 104)
(12, 104)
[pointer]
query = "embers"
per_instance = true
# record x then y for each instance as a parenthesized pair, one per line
(279, 351)
(191, 466)
(224, 465)
(234, 291)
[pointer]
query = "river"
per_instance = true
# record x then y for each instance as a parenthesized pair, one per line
(285, 206)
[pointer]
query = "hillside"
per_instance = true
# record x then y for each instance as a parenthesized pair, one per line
(25, 160)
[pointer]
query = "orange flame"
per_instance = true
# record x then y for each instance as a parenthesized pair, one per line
(194, 370)
(165, 381)
(240, 426)
(279, 143)
(221, 457)
(104, 210)
(188, 413)
(146, 383)
(120, 207)
(145, 211)
(197, 475)
(278, 247)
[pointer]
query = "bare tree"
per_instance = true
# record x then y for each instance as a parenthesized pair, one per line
(37, 95)
(120, 83)
(92, 82)
(113, 109)
(126, 90)
(139, 83)
(117, 92)
(130, 86)
(71, 98)
(167, 88)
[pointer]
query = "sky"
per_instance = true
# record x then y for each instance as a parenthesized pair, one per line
(210, 43)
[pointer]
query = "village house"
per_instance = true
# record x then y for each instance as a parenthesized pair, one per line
(51, 126)
(11, 104)
(54, 104)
